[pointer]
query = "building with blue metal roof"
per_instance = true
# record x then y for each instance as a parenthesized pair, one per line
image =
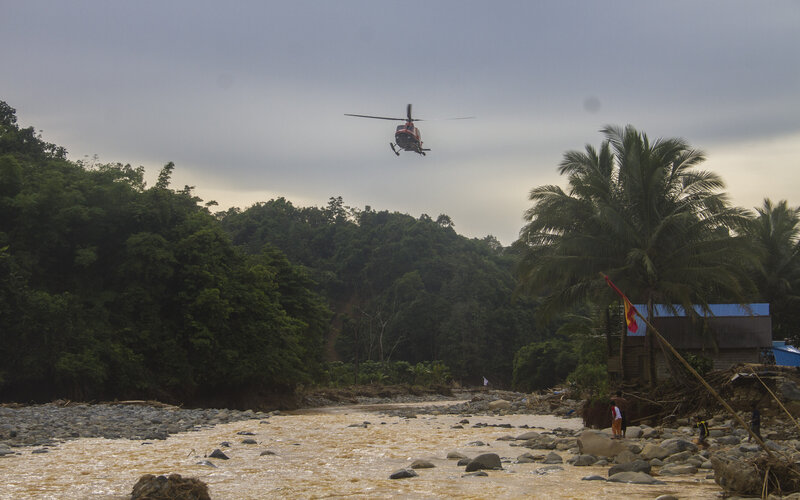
(725, 334)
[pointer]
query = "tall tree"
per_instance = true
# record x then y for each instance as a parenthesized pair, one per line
(642, 213)
(776, 231)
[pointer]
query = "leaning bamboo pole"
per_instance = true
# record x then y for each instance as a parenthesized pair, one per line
(699, 377)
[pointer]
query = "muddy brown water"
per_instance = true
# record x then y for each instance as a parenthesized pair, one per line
(319, 455)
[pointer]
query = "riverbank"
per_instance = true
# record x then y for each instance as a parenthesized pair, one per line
(536, 434)
(344, 451)
(48, 424)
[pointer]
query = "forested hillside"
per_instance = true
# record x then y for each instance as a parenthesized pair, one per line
(403, 288)
(110, 288)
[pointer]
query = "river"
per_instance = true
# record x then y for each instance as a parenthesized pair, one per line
(319, 454)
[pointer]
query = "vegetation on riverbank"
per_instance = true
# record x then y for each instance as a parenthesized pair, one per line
(110, 288)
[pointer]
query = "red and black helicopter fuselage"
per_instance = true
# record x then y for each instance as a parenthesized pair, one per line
(408, 137)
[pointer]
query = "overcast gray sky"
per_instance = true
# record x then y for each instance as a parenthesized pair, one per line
(248, 98)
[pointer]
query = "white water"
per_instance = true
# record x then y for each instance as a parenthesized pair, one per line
(319, 456)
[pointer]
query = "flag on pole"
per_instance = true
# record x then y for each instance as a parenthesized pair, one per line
(630, 311)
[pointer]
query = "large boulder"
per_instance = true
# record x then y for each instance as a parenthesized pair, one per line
(677, 445)
(173, 487)
(738, 476)
(489, 461)
(595, 443)
(652, 450)
(553, 458)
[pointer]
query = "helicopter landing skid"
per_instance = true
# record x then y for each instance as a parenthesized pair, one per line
(394, 150)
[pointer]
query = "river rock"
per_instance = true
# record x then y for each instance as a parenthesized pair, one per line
(548, 469)
(217, 453)
(595, 443)
(678, 457)
(5, 450)
(677, 469)
(677, 445)
(500, 404)
(485, 461)
(454, 455)
(528, 435)
(479, 473)
(526, 458)
(541, 442)
(634, 478)
(652, 450)
(422, 464)
(582, 460)
(728, 440)
(635, 466)
(593, 478)
(403, 473)
(625, 457)
(634, 432)
(736, 476)
(553, 458)
(173, 487)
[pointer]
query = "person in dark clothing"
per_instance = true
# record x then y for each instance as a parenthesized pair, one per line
(755, 423)
(702, 427)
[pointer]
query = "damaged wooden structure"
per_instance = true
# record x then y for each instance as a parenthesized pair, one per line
(726, 334)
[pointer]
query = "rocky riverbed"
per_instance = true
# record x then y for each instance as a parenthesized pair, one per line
(46, 424)
(647, 456)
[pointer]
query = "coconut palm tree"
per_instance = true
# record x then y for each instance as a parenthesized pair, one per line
(776, 231)
(640, 212)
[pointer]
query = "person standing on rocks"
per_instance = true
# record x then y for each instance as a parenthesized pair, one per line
(622, 404)
(702, 427)
(616, 421)
(755, 422)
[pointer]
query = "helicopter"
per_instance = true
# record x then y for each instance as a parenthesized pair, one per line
(408, 137)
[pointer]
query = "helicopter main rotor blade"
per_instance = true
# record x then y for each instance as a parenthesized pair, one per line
(377, 117)
(408, 113)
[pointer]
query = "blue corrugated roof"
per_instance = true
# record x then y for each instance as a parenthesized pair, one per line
(717, 310)
(785, 355)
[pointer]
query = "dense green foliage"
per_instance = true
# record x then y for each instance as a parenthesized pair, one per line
(426, 374)
(776, 233)
(642, 213)
(403, 288)
(112, 289)
(109, 289)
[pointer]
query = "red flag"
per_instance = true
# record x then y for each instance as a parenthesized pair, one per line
(630, 311)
